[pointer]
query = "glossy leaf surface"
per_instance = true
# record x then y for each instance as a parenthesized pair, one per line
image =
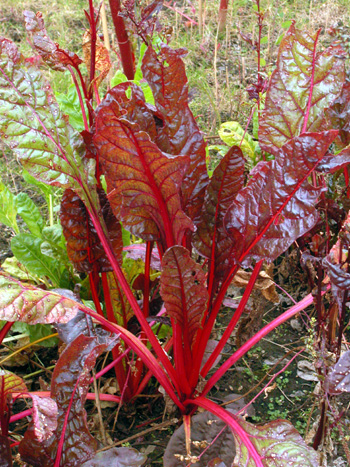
(143, 183)
(44, 417)
(279, 445)
(338, 379)
(278, 204)
(338, 115)
(29, 304)
(303, 84)
(179, 133)
(182, 287)
(70, 384)
(83, 244)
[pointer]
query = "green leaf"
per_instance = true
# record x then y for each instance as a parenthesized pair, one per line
(70, 105)
(16, 269)
(286, 24)
(54, 244)
(47, 190)
(27, 249)
(8, 208)
(38, 331)
(232, 133)
(264, 40)
(29, 211)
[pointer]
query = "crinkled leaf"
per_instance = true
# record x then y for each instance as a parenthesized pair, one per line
(44, 417)
(29, 211)
(27, 249)
(143, 182)
(70, 380)
(102, 60)
(32, 125)
(138, 251)
(227, 180)
(234, 135)
(331, 163)
(83, 244)
(117, 457)
(50, 52)
(278, 443)
(278, 204)
(16, 269)
(54, 244)
(338, 379)
(338, 115)
(9, 383)
(24, 302)
(179, 132)
(8, 208)
(303, 84)
(182, 289)
(5, 452)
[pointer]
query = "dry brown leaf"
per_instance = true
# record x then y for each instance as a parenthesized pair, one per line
(264, 283)
(102, 59)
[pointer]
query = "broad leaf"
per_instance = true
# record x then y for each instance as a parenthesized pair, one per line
(83, 244)
(338, 379)
(29, 304)
(27, 249)
(32, 125)
(29, 211)
(278, 204)
(278, 444)
(303, 84)
(70, 105)
(40, 41)
(211, 239)
(143, 182)
(234, 135)
(16, 269)
(138, 251)
(69, 387)
(178, 132)
(5, 452)
(44, 417)
(182, 287)
(117, 457)
(54, 244)
(338, 115)
(47, 190)
(8, 208)
(9, 383)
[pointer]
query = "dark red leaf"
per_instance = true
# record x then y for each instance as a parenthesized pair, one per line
(278, 204)
(83, 244)
(338, 379)
(303, 84)
(338, 114)
(55, 57)
(165, 74)
(117, 457)
(5, 452)
(182, 289)
(44, 417)
(211, 239)
(143, 182)
(70, 380)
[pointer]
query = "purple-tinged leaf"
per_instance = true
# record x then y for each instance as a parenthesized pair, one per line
(117, 457)
(44, 417)
(84, 247)
(138, 251)
(29, 304)
(278, 204)
(5, 452)
(32, 125)
(69, 387)
(143, 182)
(179, 132)
(211, 239)
(338, 379)
(332, 163)
(338, 115)
(278, 444)
(182, 287)
(338, 276)
(50, 52)
(303, 84)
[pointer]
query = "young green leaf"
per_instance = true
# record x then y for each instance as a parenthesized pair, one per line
(8, 208)
(29, 211)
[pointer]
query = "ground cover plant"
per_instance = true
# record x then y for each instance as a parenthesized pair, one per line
(137, 169)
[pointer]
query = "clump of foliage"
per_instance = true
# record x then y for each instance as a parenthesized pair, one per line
(141, 168)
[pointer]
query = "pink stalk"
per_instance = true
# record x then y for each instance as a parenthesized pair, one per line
(308, 300)
(230, 419)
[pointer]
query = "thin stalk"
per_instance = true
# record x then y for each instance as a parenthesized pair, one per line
(6, 328)
(93, 47)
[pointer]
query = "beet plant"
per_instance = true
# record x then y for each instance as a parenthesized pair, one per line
(202, 230)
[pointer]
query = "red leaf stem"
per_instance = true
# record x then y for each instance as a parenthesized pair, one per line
(93, 46)
(5, 329)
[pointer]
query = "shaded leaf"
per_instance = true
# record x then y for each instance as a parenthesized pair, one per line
(303, 84)
(138, 251)
(32, 125)
(143, 182)
(70, 105)
(47, 190)
(179, 133)
(84, 247)
(53, 244)
(338, 379)
(5, 452)
(8, 208)
(182, 289)
(50, 52)
(29, 304)
(234, 135)
(29, 211)
(278, 204)
(117, 457)
(278, 443)
(70, 382)
(27, 249)
(338, 115)
(102, 60)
